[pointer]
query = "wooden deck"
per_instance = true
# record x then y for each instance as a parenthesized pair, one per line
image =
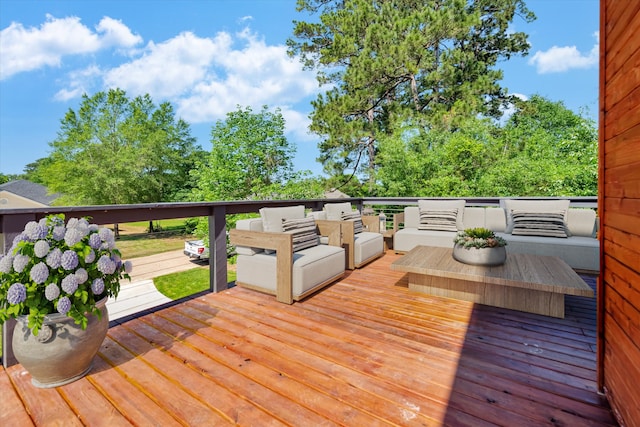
(363, 352)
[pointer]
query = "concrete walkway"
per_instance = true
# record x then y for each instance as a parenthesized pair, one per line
(141, 294)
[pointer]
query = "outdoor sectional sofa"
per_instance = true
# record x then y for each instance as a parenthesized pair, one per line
(580, 249)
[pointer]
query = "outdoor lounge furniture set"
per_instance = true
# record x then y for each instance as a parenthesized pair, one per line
(539, 227)
(291, 255)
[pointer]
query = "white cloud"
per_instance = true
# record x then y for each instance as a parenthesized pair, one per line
(168, 69)
(561, 59)
(79, 84)
(26, 49)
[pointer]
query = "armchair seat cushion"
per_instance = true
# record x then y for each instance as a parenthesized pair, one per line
(367, 245)
(312, 267)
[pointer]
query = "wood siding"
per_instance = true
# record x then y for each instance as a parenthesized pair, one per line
(619, 204)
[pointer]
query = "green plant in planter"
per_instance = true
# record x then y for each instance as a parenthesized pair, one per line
(53, 267)
(478, 238)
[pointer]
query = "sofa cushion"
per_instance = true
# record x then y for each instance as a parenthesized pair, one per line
(253, 224)
(532, 206)
(367, 245)
(303, 232)
(546, 224)
(445, 204)
(438, 219)
(356, 218)
(335, 210)
(272, 217)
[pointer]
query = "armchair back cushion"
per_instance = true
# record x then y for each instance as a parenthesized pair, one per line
(335, 210)
(272, 218)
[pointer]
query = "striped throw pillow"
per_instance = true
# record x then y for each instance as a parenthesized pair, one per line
(354, 216)
(304, 232)
(545, 224)
(438, 219)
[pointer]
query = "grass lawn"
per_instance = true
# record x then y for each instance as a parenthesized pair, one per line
(185, 283)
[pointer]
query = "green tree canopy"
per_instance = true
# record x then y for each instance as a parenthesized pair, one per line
(543, 149)
(116, 150)
(392, 62)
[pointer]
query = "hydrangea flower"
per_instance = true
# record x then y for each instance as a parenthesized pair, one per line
(97, 286)
(51, 292)
(52, 267)
(17, 293)
(95, 241)
(106, 265)
(39, 273)
(128, 267)
(90, 257)
(64, 305)
(6, 264)
(69, 283)
(20, 262)
(41, 248)
(73, 236)
(81, 275)
(54, 259)
(35, 231)
(58, 232)
(69, 260)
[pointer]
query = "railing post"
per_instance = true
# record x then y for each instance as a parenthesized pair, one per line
(218, 249)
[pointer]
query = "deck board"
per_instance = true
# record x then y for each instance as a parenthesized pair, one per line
(364, 351)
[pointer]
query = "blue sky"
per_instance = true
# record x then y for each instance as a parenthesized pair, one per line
(207, 57)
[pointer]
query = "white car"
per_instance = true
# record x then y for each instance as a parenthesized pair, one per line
(196, 249)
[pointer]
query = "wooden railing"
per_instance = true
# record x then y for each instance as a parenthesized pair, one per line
(12, 222)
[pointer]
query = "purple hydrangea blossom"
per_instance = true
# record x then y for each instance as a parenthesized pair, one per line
(106, 265)
(6, 264)
(93, 228)
(97, 286)
(64, 305)
(35, 231)
(54, 258)
(69, 260)
(69, 283)
(95, 241)
(20, 262)
(41, 248)
(81, 275)
(58, 232)
(108, 238)
(128, 267)
(72, 222)
(52, 291)
(17, 293)
(39, 273)
(73, 236)
(91, 256)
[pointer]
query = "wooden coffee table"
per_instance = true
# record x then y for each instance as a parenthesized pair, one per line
(531, 283)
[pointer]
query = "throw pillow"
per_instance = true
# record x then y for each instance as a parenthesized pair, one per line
(354, 216)
(458, 204)
(303, 231)
(438, 219)
(546, 224)
(544, 205)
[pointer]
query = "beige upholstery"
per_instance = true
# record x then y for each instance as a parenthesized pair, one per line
(580, 250)
(286, 274)
(360, 248)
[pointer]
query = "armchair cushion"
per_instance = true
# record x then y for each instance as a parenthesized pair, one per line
(272, 217)
(354, 216)
(510, 205)
(303, 232)
(335, 210)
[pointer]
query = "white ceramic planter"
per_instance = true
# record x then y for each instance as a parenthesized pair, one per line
(480, 256)
(62, 352)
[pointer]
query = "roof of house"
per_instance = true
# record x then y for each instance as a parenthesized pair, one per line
(29, 190)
